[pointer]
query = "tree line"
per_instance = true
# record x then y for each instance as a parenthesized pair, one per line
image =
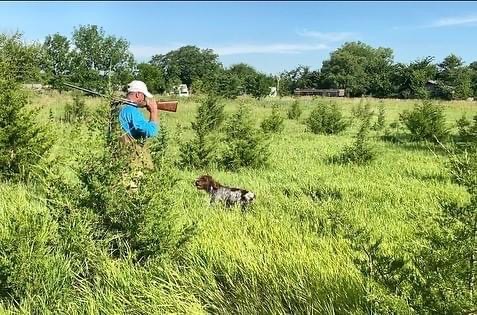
(103, 62)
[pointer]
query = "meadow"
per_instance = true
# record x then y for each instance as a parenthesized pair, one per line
(314, 242)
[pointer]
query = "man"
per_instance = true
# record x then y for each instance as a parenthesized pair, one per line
(132, 120)
(134, 125)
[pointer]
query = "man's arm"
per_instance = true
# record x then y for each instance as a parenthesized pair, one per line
(140, 124)
(151, 106)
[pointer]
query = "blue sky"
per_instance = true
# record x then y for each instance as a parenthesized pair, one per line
(271, 36)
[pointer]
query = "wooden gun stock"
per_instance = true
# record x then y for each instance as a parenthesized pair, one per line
(168, 106)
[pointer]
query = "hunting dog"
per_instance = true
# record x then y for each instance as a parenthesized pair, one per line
(227, 195)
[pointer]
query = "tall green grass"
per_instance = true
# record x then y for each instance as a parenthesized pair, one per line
(290, 254)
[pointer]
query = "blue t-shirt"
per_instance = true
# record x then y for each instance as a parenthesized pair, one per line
(133, 122)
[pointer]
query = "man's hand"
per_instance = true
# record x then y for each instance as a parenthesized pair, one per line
(151, 106)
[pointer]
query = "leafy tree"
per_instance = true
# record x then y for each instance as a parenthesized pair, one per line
(250, 81)
(258, 86)
(410, 81)
(100, 60)
(360, 69)
(56, 59)
(19, 61)
(189, 65)
(301, 77)
(152, 76)
(473, 76)
(455, 79)
(242, 70)
(228, 85)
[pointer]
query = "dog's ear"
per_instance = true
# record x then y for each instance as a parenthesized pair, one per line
(214, 184)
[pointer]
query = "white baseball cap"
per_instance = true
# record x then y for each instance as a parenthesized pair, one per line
(138, 86)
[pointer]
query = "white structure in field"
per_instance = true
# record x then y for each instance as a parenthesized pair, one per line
(180, 90)
(183, 90)
(273, 91)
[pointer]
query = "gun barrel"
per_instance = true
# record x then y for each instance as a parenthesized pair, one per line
(83, 89)
(169, 106)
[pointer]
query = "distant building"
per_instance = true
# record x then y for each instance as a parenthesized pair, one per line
(181, 90)
(432, 86)
(273, 91)
(36, 86)
(438, 88)
(320, 92)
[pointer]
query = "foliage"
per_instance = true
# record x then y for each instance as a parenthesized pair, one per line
(19, 61)
(245, 145)
(188, 65)
(153, 76)
(77, 111)
(295, 111)
(326, 119)
(23, 141)
(57, 60)
(100, 62)
(380, 123)
(273, 123)
(425, 122)
(360, 152)
(360, 69)
(200, 152)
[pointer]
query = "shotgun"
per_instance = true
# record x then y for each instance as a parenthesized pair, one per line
(168, 106)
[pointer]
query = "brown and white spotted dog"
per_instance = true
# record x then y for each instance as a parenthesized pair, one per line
(228, 195)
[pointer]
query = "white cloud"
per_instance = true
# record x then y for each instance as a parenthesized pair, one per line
(469, 20)
(278, 48)
(142, 52)
(455, 21)
(328, 36)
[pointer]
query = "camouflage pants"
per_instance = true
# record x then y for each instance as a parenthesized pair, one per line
(140, 160)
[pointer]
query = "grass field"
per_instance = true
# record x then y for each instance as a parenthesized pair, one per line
(285, 256)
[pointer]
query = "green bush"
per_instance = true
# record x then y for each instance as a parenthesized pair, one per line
(32, 266)
(273, 123)
(200, 151)
(23, 141)
(360, 152)
(75, 112)
(381, 122)
(362, 110)
(467, 132)
(295, 111)
(426, 122)
(448, 261)
(158, 146)
(138, 222)
(326, 119)
(245, 145)
(210, 115)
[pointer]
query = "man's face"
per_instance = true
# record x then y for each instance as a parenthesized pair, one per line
(139, 98)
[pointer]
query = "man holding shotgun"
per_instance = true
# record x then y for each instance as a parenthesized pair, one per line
(135, 126)
(132, 120)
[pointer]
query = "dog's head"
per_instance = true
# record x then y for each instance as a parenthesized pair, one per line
(248, 197)
(206, 182)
